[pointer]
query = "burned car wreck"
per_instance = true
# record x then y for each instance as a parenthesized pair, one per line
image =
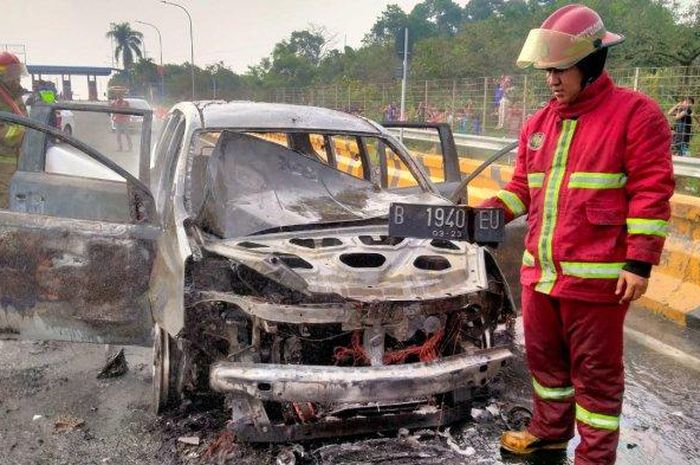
(303, 310)
(275, 283)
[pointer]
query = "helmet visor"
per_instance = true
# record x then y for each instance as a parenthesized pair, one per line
(12, 72)
(545, 49)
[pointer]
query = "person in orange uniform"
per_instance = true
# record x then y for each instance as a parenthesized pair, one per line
(121, 121)
(11, 135)
(594, 175)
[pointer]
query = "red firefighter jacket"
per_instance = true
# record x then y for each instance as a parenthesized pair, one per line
(595, 178)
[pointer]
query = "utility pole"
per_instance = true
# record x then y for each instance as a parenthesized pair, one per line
(191, 40)
(404, 80)
(160, 43)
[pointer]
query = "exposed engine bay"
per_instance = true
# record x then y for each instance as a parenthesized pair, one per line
(308, 328)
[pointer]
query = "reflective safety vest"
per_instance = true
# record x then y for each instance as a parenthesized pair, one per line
(595, 179)
(11, 135)
(47, 96)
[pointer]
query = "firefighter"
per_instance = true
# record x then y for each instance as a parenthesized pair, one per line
(594, 174)
(11, 135)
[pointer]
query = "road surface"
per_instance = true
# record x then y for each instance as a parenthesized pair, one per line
(42, 383)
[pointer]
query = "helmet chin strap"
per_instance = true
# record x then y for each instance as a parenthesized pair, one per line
(592, 66)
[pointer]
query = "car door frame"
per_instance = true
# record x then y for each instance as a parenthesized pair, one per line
(448, 147)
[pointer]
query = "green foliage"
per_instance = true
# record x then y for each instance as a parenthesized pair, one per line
(127, 43)
(446, 41)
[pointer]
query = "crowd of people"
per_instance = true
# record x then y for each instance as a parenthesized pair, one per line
(506, 116)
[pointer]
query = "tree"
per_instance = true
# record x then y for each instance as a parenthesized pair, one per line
(392, 20)
(479, 10)
(445, 14)
(306, 44)
(127, 43)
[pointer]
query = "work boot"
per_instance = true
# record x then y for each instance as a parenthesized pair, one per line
(522, 442)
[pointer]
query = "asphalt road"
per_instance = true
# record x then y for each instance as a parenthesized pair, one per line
(95, 129)
(43, 384)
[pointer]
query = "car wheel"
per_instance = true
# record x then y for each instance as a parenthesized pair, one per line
(68, 130)
(167, 371)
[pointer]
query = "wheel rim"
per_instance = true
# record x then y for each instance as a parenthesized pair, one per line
(161, 369)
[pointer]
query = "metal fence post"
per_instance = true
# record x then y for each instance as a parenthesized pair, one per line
(485, 103)
(426, 97)
(454, 97)
(349, 104)
(336, 96)
(636, 78)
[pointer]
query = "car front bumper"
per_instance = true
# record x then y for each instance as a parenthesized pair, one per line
(331, 384)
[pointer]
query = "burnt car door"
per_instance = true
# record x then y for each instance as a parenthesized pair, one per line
(77, 241)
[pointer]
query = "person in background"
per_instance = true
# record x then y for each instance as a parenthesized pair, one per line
(390, 113)
(595, 177)
(682, 114)
(11, 135)
(121, 121)
(504, 102)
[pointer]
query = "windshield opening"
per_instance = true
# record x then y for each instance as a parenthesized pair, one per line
(242, 182)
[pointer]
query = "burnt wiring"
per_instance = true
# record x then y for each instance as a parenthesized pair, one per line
(425, 352)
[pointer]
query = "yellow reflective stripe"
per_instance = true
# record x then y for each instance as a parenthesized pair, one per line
(535, 179)
(512, 201)
(551, 207)
(645, 226)
(528, 259)
(586, 180)
(559, 393)
(597, 420)
(592, 270)
(13, 131)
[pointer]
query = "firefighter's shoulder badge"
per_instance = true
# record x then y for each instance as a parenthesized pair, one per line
(536, 141)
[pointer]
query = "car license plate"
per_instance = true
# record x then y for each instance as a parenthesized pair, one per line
(487, 225)
(452, 222)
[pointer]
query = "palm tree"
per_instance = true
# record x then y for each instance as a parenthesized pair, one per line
(128, 42)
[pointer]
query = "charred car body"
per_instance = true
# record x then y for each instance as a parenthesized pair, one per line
(274, 281)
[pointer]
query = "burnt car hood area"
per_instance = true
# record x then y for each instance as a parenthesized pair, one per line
(251, 185)
(310, 319)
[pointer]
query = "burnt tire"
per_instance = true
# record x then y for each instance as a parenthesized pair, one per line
(168, 371)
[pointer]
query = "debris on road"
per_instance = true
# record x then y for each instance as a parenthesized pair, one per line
(116, 366)
(465, 451)
(189, 440)
(221, 446)
(286, 457)
(37, 417)
(516, 418)
(68, 423)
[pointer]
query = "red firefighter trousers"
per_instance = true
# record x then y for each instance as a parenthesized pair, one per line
(574, 352)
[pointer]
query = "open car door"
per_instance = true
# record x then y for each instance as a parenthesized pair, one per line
(77, 242)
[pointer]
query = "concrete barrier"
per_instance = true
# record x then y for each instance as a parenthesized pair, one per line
(674, 287)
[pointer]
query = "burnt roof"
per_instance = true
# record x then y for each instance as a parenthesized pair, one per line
(268, 116)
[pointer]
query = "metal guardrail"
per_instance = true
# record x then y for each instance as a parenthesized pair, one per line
(686, 166)
(462, 140)
(682, 166)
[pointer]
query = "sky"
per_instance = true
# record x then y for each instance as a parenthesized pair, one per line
(237, 32)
